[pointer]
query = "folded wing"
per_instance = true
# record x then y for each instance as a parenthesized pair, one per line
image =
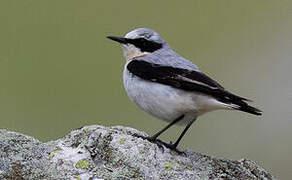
(188, 80)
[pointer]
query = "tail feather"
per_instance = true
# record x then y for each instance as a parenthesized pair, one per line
(240, 103)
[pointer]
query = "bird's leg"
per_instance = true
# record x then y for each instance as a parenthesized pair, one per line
(174, 146)
(155, 136)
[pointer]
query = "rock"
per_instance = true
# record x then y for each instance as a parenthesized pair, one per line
(97, 152)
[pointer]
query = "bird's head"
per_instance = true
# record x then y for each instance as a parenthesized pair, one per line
(139, 42)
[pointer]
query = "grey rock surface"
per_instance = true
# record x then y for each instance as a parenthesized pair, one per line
(97, 152)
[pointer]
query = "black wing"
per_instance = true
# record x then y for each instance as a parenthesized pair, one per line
(187, 80)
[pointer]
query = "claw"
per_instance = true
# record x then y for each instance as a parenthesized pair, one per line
(160, 143)
(150, 139)
(171, 146)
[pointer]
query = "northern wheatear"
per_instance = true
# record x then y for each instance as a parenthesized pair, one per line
(168, 86)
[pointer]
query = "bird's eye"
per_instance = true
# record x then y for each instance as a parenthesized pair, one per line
(143, 41)
(145, 45)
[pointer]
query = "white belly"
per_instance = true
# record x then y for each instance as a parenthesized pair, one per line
(161, 101)
(165, 102)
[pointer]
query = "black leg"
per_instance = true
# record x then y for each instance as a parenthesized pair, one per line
(155, 136)
(173, 146)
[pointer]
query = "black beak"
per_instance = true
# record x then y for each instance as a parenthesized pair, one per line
(118, 39)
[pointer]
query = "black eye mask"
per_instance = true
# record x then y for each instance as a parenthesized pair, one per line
(145, 45)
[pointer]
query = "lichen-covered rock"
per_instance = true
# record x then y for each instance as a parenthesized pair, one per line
(97, 152)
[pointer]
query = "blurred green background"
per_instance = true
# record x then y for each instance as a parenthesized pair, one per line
(58, 72)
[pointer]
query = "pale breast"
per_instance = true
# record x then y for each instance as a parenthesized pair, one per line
(161, 101)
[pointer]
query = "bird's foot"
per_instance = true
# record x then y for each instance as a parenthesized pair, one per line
(171, 146)
(150, 139)
(160, 143)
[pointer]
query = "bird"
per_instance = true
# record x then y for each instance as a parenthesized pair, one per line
(170, 87)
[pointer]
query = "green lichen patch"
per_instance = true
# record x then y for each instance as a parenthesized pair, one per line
(51, 155)
(82, 164)
(189, 167)
(169, 165)
(58, 149)
(85, 130)
(78, 177)
(122, 140)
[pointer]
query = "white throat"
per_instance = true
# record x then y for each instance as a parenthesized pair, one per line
(130, 52)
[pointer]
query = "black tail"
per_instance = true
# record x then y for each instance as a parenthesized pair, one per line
(241, 103)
